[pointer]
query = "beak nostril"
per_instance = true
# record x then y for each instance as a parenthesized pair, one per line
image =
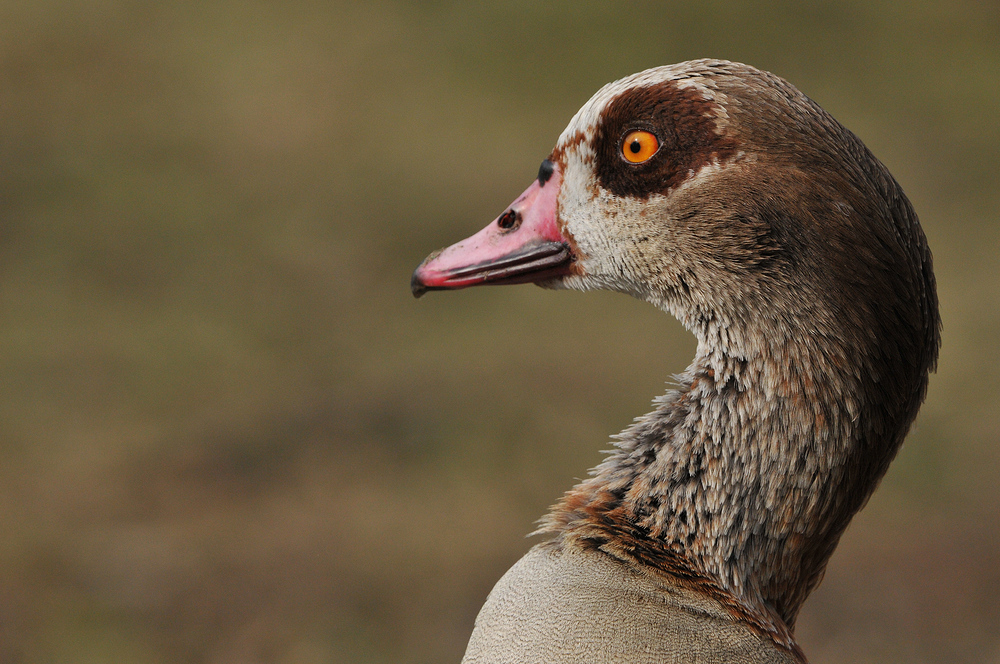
(509, 220)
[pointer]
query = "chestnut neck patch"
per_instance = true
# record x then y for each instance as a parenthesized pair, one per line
(683, 121)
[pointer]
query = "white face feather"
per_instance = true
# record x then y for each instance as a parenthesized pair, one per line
(624, 243)
(604, 227)
(602, 224)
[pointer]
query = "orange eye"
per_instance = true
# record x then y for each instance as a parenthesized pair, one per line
(639, 146)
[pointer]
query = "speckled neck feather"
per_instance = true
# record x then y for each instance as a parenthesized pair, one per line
(740, 495)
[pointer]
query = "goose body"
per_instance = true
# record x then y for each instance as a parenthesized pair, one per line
(722, 195)
(563, 603)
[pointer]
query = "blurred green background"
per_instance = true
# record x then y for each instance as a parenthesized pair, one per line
(229, 434)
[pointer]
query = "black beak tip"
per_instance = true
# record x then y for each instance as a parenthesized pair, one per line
(417, 287)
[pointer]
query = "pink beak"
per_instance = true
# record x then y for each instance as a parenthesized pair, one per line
(524, 244)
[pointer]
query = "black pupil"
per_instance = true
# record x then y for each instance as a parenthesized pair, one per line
(635, 146)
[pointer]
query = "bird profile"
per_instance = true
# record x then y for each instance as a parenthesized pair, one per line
(722, 195)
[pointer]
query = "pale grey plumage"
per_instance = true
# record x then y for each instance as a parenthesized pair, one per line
(609, 611)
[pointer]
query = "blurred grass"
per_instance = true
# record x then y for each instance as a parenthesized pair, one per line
(229, 433)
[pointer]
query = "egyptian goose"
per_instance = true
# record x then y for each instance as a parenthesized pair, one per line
(724, 196)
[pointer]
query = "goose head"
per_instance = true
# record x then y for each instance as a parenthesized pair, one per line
(724, 196)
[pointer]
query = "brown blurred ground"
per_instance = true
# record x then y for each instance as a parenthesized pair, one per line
(230, 435)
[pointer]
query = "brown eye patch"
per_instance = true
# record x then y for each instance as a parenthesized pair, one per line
(679, 120)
